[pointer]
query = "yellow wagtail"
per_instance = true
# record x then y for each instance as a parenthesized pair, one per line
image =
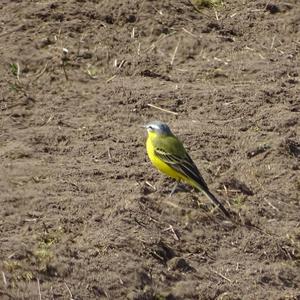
(169, 156)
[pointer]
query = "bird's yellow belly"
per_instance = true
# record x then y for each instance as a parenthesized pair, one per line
(160, 165)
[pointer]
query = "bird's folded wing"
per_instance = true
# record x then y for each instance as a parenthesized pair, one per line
(183, 165)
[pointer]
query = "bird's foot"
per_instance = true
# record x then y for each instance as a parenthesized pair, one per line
(174, 189)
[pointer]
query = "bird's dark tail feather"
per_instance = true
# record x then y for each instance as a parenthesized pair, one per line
(215, 201)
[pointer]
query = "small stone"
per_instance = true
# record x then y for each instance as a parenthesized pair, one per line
(272, 8)
(180, 264)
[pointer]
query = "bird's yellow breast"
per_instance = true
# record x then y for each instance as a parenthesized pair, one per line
(157, 162)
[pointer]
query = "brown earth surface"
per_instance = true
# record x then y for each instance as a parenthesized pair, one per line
(83, 213)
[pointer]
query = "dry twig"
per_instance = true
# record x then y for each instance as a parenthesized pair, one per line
(221, 275)
(175, 235)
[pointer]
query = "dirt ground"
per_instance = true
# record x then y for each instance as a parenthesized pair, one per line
(83, 213)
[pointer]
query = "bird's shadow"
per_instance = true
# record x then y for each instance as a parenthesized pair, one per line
(180, 188)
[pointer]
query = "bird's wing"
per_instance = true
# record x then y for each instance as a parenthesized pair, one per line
(182, 164)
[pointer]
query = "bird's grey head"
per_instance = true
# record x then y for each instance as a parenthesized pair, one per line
(158, 127)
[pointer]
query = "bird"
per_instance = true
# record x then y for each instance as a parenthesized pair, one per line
(168, 155)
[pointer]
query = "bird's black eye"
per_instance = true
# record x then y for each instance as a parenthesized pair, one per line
(150, 127)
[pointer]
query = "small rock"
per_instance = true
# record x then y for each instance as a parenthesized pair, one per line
(162, 252)
(258, 150)
(272, 8)
(44, 42)
(141, 295)
(180, 264)
(236, 184)
(131, 18)
(142, 279)
(292, 147)
(87, 55)
(185, 290)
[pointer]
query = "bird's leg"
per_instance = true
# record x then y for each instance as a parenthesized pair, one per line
(174, 188)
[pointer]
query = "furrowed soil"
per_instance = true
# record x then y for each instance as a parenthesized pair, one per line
(83, 213)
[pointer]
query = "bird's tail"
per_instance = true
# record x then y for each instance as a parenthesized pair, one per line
(215, 201)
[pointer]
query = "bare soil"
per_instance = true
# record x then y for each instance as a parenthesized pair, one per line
(83, 213)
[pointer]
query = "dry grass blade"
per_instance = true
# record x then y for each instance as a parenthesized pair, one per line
(111, 78)
(174, 54)
(162, 109)
(39, 289)
(271, 205)
(69, 291)
(4, 279)
(151, 185)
